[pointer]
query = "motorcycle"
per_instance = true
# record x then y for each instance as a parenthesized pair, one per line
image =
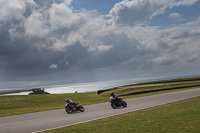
(117, 102)
(74, 107)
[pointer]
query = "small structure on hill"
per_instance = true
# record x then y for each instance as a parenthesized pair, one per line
(38, 91)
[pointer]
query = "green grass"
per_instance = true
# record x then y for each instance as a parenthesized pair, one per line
(150, 87)
(179, 117)
(13, 105)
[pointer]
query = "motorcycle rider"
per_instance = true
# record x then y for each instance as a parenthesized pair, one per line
(114, 97)
(69, 101)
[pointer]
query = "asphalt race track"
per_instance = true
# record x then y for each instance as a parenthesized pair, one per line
(41, 121)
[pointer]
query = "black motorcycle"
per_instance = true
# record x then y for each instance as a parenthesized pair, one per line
(117, 102)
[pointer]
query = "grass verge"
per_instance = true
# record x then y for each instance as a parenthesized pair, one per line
(179, 117)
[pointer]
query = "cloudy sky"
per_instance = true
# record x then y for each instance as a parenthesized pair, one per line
(69, 41)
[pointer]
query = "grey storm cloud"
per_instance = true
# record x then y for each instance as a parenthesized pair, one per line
(48, 40)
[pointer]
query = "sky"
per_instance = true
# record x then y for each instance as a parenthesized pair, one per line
(47, 42)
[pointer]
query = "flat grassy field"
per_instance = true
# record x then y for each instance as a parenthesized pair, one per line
(13, 105)
(179, 117)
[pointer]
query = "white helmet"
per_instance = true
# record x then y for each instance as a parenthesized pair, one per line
(67, 100)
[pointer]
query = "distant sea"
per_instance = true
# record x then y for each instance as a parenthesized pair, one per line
(94, 86)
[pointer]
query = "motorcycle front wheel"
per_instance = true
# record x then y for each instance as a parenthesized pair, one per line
(124, 104)
(68, 110)
(81, 108)
(113, 105)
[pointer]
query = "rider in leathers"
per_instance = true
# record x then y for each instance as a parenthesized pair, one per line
(69, 101)
(114, 97)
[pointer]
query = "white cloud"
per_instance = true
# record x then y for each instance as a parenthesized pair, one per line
(136, 11)
(68, 2)
(100, 48)
(132, 12)
(104, 47)
(176, 16)
(35, 26)
(62, 16)
(58, 45)
(11, 9)
(185, 2)
(14, 9)
(53, 66)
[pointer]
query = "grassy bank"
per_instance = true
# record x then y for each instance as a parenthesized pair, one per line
(179, 117)
(12, 105)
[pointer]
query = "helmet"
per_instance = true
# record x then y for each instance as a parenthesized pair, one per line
(112, 94)
(67, 100)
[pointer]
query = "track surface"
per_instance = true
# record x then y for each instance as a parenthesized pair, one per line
(46, 120)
